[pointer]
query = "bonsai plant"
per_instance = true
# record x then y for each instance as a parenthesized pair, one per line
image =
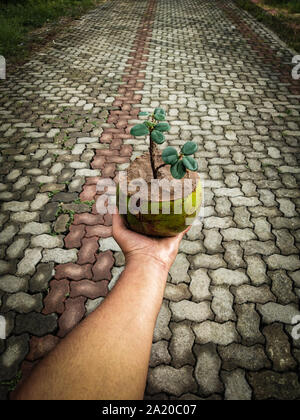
(151, 219)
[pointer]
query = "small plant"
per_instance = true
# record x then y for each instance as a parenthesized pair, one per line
(88, 203)
(12, 384)
(51, 194)
(155, 127)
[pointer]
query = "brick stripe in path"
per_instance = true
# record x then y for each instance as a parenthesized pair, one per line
(89, 276)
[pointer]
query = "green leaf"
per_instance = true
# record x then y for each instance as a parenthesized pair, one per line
(144, 114)
(163, 127)
(190, 163)
(139, 130)
(189, 148)
(170, 155)
(148, 124)
(159, 114)
(158, 137)
(178, 170)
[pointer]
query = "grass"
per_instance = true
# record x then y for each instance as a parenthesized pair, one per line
(286, 26)
(292, 6)
(20, 17)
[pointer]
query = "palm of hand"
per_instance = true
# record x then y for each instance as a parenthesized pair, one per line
(163, 250)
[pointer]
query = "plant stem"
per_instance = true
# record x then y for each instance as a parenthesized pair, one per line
(152, 149)
(161, 166)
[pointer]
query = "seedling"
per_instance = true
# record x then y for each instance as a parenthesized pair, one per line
(155, 127)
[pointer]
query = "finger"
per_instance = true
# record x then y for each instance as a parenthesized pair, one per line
(118, 223)
(181, 235)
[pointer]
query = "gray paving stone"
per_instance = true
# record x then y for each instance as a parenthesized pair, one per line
(40, 281)
(239, 356)
(207, 370)
(24, 217)
(160, 354)
(47, 241)
(191, 247)
(242, 217)
(256, 247)
(234, 255)
(162, 330)
(212, 241)
(262, 229)
(35, 323)
(295, 277)
(92, 304)
(285, 242)
(181, 344)
(256, 270)
(12, 284)
(195, 232)
(31, 258)
(23, 302)
(16, 349)
(290, 263)
(6, 267)
(119, 259)
(278, 348)
(218, 222)
(199, 285)
(271, 385)
(109, 244)
(34, 228)
(8, 233)
(60, 256)
(16, 249)
(248, 324)
(15, 206)
(170, 380)
(236, 386)
(39, 202)
(235, 234)
(179, 270)
(273, 312)
(282, 287)
(247, 293)
(192, 311)
(207, 261)
(222, 304)
(229, 277)
(213, 332)
(177, 292)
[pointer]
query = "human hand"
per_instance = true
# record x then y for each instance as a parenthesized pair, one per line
(136, 246)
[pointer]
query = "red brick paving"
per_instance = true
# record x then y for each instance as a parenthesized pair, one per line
(73, 271)
(87, 253)
(102, 268)
(72, 315)
(40, 346)
(88, 288)
(89, 277)
(54, 301)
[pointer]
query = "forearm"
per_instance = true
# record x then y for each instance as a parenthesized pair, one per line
(107, 355)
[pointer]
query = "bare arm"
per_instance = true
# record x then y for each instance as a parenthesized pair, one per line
(106, 357)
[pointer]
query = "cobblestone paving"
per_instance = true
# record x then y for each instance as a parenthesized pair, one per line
(225, 327)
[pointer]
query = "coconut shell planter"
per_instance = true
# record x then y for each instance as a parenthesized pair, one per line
(162, 192)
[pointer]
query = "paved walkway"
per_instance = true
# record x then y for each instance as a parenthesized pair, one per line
(225, 328)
